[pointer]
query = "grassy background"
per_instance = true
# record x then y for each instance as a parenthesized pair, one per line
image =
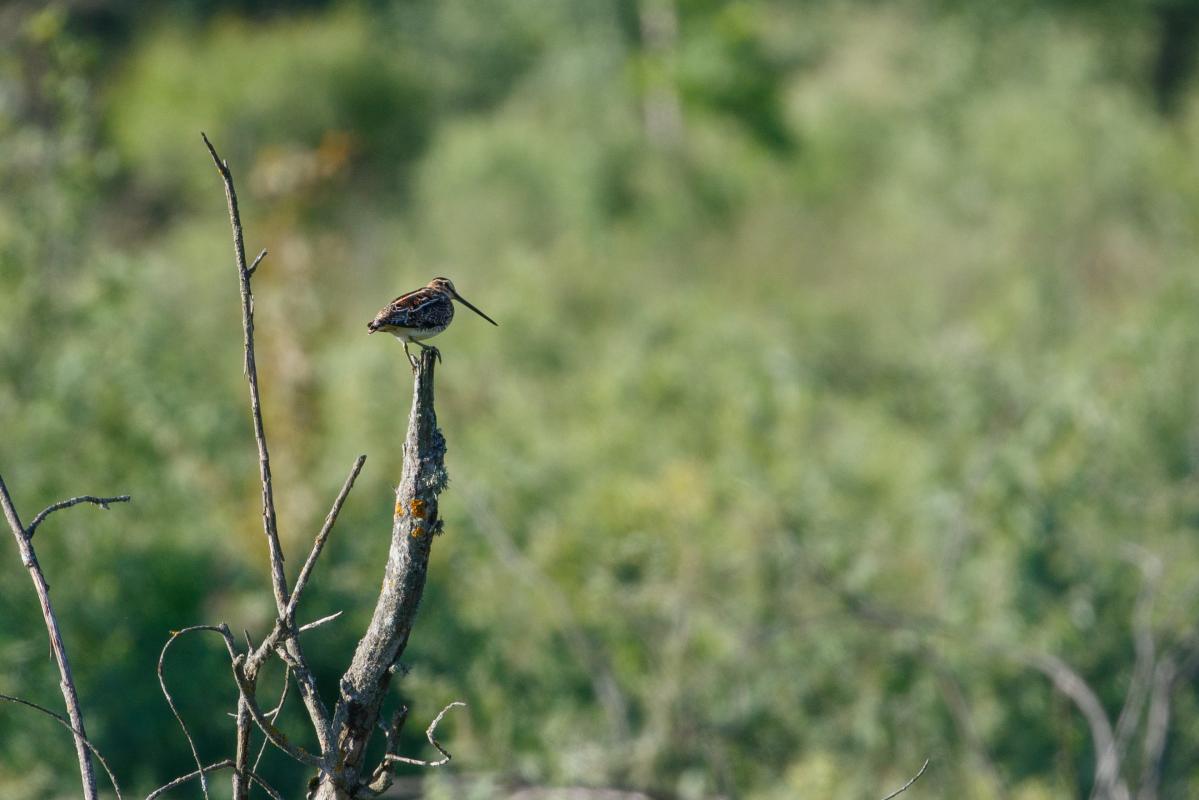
(805, 414)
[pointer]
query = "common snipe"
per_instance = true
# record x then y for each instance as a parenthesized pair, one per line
(422, 315)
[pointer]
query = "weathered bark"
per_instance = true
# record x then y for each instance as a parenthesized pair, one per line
(415, 523)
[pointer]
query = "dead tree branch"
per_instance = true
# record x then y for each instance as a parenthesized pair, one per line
(24, 538)
(415, 523)
(341, 739)
(269, 522)
(284, 639)
(61, 504)
(316, 623)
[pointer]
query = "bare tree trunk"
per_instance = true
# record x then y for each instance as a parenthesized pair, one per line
(416, 522)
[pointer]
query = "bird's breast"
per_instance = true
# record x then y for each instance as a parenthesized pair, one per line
(416, 334)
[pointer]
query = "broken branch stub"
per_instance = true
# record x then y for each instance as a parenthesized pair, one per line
(416, 521)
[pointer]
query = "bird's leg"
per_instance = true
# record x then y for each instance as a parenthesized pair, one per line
(411, 359)
(423, 346)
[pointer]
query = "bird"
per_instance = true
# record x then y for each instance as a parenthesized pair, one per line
(422, 314)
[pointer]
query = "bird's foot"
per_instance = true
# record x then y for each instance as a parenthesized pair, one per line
(436, 352)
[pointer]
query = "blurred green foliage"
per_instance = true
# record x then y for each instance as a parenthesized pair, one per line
(892, 318)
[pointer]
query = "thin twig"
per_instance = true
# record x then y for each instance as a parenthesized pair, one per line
(61, 504)
(321, 538)
(317, 623)
(269, 522)
(429, 734)
(908, 785)
(182, 779)
(171, 702)
(78, 736)
(66, 682)
(257, 259)
(274, 714)
(226, 764)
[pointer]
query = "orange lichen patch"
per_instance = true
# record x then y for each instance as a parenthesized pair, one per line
(399, 509)
(417, 508)
(418, 532)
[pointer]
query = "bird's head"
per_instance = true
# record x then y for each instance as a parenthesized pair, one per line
(447, 286)
(443, 285)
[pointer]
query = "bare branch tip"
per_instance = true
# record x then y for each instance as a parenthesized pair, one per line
(102, 502)
(254, 266)
(908, 785)
(221, 164)
(317, 623)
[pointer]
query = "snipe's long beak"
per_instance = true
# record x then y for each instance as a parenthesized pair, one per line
(466, 303)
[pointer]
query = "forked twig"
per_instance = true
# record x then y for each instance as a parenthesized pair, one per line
(415, 523)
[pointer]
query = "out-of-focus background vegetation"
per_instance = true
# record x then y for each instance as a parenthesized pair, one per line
(849, 358)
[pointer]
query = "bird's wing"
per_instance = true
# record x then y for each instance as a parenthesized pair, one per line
(405, 310)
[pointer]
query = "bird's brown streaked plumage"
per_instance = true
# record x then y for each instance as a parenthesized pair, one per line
(421, 314)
